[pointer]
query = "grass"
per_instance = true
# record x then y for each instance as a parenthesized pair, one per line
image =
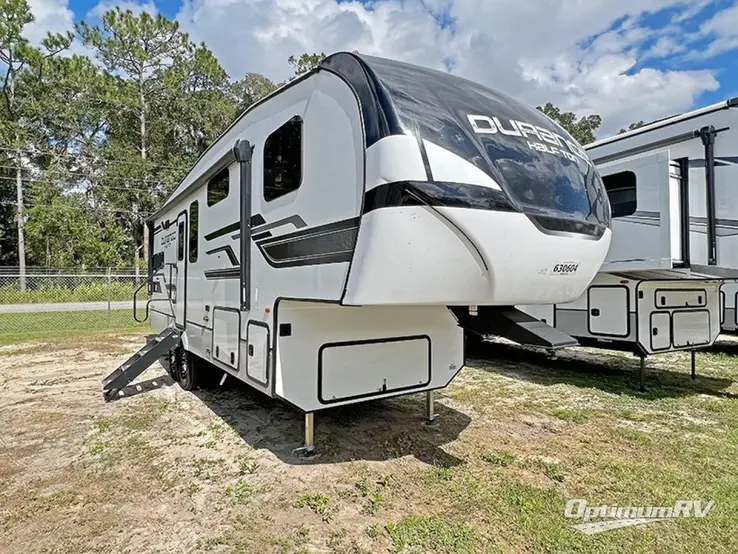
(431, 534)
(15, 328)
(317, 502)
(514, 442)
(52, 292)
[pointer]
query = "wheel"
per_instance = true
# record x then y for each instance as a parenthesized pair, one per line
(173, 362)
(189, 371)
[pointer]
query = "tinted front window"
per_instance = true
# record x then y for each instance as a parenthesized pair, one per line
(540, 167)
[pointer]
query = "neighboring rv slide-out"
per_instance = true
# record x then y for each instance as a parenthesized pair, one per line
(328, 248)
(671, 185)
(670, 279)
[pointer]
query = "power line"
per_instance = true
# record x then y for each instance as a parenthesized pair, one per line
(70, 207)
(81, 183)
(74, 155)
(89, 176)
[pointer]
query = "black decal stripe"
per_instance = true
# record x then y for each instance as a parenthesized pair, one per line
(228, 251)
(260, 236)
(228, 273)
(256, 220)
(294, 220)
(453, 195)
(331, 243)
(223, 231)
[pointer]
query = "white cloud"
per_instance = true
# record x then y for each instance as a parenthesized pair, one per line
(723, 28)
(98, 10)
(588, 57)
(565, 51)
(51, 16)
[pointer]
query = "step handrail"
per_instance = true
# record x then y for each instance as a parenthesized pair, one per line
(149, 282)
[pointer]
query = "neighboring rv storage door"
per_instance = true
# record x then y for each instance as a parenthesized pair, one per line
(691, 328)
(257, 336)
(608, 311)
(660, 331)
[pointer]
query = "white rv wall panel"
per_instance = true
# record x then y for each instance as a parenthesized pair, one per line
(422, 255)
(314, 325)
(394, 159)
(642, 240)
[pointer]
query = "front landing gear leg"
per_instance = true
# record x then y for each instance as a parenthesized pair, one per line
(694, 371)
(643, 374)
(307, 452)
(430, 407)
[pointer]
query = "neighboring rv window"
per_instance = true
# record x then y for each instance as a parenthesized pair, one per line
(218, 187)
(621, 189)
(283, 160)
(180, 241)
(194, 214)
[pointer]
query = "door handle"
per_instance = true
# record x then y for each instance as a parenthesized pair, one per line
(595, 312)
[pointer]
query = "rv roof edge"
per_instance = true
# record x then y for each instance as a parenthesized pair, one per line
(724, 105)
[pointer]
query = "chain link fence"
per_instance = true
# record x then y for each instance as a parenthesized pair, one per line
(42, 304)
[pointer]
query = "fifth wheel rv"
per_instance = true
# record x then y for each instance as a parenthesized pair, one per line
(669, 279)
(333, 243)
(671, 185)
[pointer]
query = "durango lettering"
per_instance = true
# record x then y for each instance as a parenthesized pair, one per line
(547, 141)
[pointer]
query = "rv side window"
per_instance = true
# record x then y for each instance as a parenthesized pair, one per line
(180, 241)
(194, 216)
(283, 160)
(621, 189)
(218, 187)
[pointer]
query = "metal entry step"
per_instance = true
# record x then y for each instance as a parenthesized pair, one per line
(140, 362)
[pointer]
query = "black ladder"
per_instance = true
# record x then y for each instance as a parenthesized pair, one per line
(140, 361)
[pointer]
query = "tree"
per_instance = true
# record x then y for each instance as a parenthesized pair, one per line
(632, 126)
(252, 88)
(170, 103)
(583, 129)
(20, 65)
(66, 230)
(304, 63)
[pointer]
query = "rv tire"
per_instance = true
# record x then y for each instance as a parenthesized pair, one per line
(189, 371)
(173, 362)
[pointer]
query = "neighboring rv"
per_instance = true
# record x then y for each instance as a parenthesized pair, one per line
(672, 188)
(669, 279)
(328, 248)
(648, 312)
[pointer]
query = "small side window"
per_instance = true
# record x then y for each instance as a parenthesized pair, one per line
(218, 187)
(621, 189)
(194, 216)
(283, 160)
(180, 241)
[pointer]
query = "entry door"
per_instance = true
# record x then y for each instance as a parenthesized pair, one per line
(179, 270)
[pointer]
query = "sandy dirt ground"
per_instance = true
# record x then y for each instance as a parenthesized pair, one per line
(163, 470)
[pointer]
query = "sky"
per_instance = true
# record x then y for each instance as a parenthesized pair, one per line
(626, 60)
